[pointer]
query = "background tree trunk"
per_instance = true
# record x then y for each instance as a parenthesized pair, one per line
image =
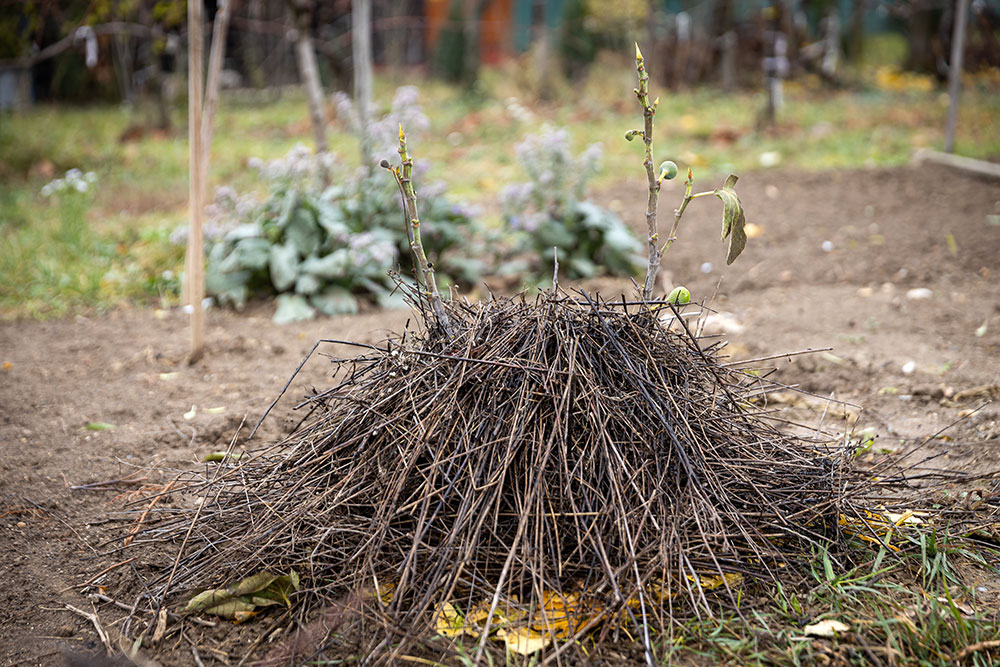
(309, 72)
(220, 28)
(361, 40)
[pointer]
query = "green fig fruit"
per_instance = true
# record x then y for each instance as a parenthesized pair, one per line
(680, 294)
(668, 170)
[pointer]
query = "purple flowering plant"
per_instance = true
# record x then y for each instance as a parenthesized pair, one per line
(321, 248)
(551, 210)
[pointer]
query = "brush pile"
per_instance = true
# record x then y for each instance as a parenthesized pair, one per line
(568, 447)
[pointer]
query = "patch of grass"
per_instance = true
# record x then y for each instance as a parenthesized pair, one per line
(910, 608)
(142, 192)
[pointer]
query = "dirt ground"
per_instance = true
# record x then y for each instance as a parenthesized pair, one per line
(914, 364)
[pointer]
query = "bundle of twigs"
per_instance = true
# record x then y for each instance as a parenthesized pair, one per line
(569, 444)
(525, 463)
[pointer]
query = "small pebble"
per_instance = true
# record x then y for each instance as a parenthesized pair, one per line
(865, 292)
(770, 158)
(706, 267)
(21, 524)
(909, 367)
(827, 246)
(919, 294)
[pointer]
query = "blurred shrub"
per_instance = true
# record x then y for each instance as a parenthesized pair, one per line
(449, 56)
(383, 131)
(550, 210)
(322, 248)
(588, 26)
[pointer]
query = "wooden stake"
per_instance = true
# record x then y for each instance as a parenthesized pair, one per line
(195, 270)
(309, 72)
(955, 73)
(215, 57)
(361, 44)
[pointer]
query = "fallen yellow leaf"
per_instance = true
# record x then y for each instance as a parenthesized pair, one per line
(524, 641)
(827, 628)
(710, 582)
(448, 622)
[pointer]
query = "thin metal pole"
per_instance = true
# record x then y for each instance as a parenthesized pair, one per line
(955, 73)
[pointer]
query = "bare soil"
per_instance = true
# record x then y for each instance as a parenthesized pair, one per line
(889, 232)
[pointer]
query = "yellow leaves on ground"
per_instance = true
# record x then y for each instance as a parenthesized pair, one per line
(657, 591)
(881, 524)
(524, 641)
(892, 78)
(448, 622)
(709, 582)
(559, 617)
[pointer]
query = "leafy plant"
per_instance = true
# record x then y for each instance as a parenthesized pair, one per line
(733, 216)
(551, 210)
(322, 248)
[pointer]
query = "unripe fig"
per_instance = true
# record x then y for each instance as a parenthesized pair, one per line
(679, 295)
(668, 169)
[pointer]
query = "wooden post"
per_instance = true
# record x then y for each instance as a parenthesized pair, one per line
(215, 57)
(309, 71)
(195, 271)
(955, 73)
(361, 42)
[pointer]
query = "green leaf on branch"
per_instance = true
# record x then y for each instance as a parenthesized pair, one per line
(733, 218)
